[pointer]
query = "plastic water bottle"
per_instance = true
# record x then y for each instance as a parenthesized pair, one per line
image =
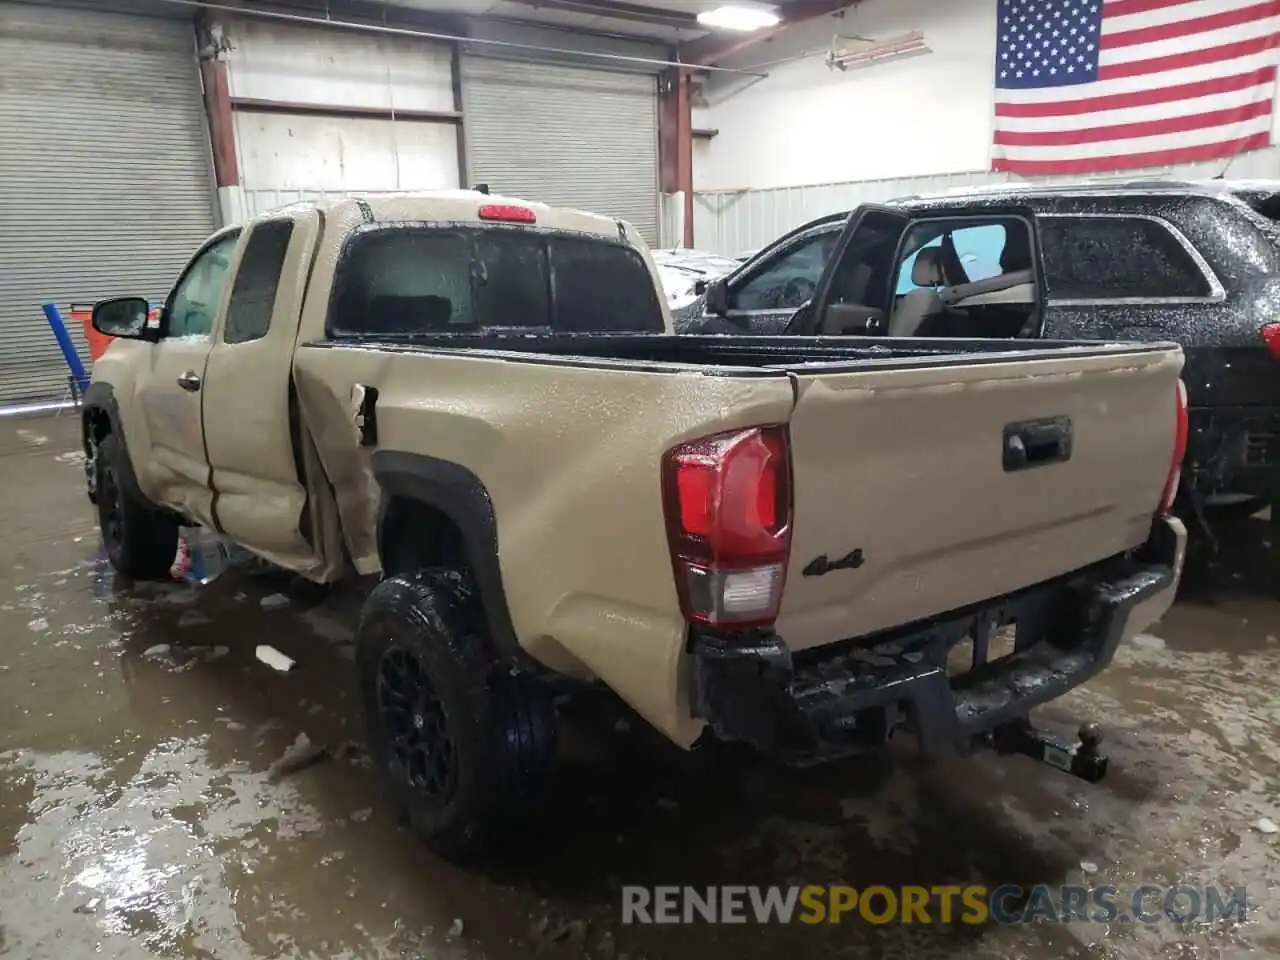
(206, 555)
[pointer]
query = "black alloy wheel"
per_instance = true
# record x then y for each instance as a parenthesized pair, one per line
(415, 722)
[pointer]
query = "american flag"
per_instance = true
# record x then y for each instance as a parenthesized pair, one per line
(1088, 86)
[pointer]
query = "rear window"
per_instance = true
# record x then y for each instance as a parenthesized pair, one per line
(1110, 258)
(430, 280)
(1264, 202)
(1264, 212)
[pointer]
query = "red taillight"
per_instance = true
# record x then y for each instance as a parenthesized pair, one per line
(1271, 336)
(507, 212)
(1179, 451)
(728, 506)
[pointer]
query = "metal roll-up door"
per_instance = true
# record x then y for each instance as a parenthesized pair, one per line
(567, 136)
(105, 176)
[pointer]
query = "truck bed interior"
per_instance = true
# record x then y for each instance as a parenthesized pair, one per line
(762, 353)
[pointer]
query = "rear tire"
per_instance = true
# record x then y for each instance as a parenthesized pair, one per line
(140, 540)
(463, 747)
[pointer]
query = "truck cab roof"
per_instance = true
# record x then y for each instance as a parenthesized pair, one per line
(465, 206)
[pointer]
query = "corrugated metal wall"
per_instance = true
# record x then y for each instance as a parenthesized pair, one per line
(568, 136)
(733, 222)
(105, 180)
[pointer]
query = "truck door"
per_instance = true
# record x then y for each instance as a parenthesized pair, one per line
(853, 294)
(249, 423)
(967, 272)
(170, 385)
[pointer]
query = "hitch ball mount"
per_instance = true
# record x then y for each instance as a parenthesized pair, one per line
(1081, 759)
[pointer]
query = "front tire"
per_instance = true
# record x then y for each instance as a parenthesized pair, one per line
(463, 747)
(140, 540)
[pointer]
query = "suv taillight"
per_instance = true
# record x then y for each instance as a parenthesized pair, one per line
(1179, 451)
(728, 507)
(1271, 337)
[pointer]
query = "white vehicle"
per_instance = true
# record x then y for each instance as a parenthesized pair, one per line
(681, 269)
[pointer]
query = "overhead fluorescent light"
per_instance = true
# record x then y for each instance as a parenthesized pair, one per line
(739, 17)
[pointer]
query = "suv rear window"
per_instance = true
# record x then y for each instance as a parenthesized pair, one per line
(430, 280)
(1110, 258)
(1265, 202)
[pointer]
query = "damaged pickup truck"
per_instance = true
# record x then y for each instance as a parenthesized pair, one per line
(781, 542)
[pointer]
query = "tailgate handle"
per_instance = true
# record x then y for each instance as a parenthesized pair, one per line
(1036, 443)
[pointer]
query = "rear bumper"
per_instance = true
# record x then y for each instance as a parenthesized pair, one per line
(852, 696)
(1234, 450)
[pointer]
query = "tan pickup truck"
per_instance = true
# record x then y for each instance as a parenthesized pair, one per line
(782, 542)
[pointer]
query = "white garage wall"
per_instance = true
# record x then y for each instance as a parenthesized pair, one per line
(344, 68)
(286, 155)
(806, 123)
(300, 152)
(702, 169)
(808, 140)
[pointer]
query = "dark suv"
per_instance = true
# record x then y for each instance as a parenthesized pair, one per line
(1194, 262)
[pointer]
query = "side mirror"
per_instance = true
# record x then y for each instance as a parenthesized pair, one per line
(124, 317)
(700, 286)
(717, 297)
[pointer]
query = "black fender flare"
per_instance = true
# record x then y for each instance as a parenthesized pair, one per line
(102, 397)
(462, 497)
(99, 398)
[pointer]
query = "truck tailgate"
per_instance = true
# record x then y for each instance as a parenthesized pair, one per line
(911, 499)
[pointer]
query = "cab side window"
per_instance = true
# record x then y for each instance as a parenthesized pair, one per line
(1112, 258)
(194, 303)
(790, 280)
(253, 297)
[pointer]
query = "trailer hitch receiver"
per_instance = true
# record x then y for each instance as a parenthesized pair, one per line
(1081, 759)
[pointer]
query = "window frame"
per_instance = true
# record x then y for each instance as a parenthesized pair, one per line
(987, 218)
(999, 222)
(1217, 292)
(380, 226)
(757, 270)
(279, 280)
(222, 236)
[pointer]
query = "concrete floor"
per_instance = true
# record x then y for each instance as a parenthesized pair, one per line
(143, 811)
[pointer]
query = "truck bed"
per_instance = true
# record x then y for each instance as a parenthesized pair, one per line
(909, 496)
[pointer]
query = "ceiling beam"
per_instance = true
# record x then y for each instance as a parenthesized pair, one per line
(619, 10)
(713, 48)
(364, 11)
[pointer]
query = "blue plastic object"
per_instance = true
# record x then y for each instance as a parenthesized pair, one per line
(69, 353)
